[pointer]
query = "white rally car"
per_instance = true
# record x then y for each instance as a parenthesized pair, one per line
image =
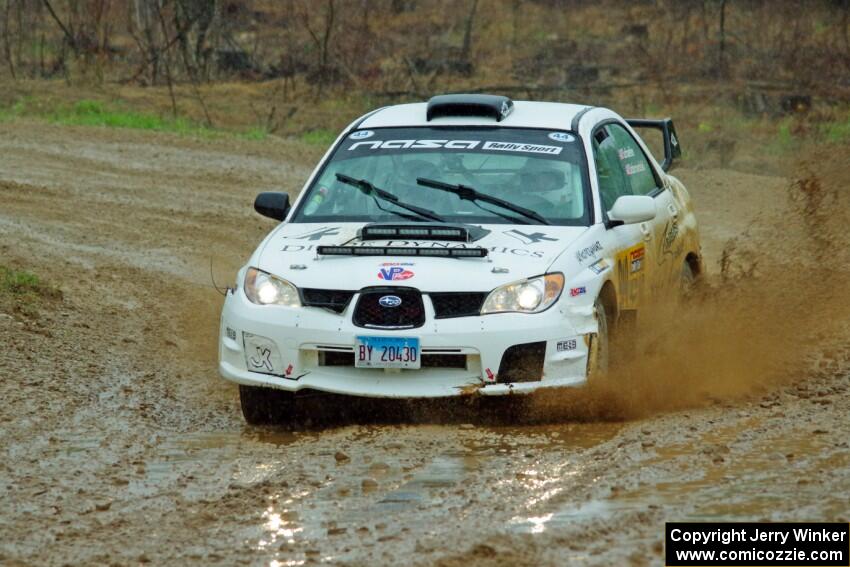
(471, 244)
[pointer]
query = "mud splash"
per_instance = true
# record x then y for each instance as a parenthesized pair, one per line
(777, 310)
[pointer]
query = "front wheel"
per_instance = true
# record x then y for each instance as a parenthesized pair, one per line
(688, 283)
(265, 406)
(599, 355)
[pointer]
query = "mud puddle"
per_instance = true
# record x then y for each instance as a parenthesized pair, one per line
(739, 476)
(376, 491)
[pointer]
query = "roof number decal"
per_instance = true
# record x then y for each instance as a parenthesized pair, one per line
(361, 135)
(561, 137)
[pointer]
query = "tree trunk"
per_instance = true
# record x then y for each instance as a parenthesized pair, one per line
(72, 41)
(845, 24)
(721, 57)
(467, 32)
(7, 49)
(329, 23)
(166, 61)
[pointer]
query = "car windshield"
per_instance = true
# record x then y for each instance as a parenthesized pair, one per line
(540, 170)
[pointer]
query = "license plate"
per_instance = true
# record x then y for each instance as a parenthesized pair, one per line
(386, 352)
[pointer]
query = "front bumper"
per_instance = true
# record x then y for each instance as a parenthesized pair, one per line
(295, 343)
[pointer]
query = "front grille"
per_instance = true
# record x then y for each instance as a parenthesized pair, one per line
(334, 299)
(409, 314)
(443, 361)
(335, 358)
(457, 304)
(523, 363)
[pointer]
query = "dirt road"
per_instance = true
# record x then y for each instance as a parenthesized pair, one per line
(120, 444)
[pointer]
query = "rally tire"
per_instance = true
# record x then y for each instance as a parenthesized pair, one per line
(265, 406)
(599, 357)
(688, 282)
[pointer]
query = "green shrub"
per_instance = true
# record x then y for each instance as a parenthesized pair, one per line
(319, 137)
(255, 133)
(18, 282)
(837, 132)
(23, 292)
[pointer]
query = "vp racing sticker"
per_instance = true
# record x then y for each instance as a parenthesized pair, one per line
(395, 271)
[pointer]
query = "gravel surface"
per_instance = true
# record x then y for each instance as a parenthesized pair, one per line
(121, 445)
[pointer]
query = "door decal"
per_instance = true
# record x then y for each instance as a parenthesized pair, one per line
(670, 245)
(630, 273)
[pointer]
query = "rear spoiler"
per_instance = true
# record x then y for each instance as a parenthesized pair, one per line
(672, 149)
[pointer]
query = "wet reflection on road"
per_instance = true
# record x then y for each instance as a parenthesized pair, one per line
(383, 482)
(325, 494)
(709, 480)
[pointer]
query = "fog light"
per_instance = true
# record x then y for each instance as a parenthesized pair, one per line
(262, 355)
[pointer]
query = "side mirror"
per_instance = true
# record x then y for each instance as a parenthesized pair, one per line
(272, 205)
(632, 209)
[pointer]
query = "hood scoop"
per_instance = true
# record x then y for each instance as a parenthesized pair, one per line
(420, 231)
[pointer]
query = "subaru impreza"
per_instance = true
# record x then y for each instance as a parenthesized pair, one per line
(467, 245)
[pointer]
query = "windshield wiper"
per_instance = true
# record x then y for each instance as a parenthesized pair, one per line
(370, 190)
(470, 194)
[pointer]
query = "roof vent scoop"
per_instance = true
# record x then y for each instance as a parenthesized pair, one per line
(493, 106)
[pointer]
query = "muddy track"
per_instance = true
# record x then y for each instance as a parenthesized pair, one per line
(120, 443)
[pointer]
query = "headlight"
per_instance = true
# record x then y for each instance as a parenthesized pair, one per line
(528, 296)
(265, 289)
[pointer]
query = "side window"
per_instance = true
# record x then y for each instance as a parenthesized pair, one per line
(610, 175)
(636, 168)
(621, 165)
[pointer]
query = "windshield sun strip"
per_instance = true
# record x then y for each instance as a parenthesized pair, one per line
(587, 219)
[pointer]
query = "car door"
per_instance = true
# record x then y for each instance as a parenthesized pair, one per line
(624, 169)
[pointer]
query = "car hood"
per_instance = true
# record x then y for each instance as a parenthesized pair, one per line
(514, 252)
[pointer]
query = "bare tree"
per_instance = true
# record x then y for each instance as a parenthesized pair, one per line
(70, 38)
(467, 31)
(845, 31)
(193, 21)
(144, 28)
(7, 48)
(721, 56)
(322, 40)
(166, 59)
(85, 31)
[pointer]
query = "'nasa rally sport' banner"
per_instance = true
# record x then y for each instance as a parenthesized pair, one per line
(545, 144)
